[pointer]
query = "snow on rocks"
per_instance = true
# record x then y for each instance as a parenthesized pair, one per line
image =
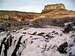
(37, 42)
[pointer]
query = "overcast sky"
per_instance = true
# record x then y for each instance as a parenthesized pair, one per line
(33, 5)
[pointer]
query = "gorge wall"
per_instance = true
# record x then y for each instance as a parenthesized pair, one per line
(54, 14)
(15, 19)
(16, 15)
(51, 7)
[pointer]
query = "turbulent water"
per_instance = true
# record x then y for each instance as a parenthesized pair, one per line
(37, 42)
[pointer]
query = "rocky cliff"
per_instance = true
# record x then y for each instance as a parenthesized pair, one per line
(51, 7)
(15, 19)
(17, 15)
(54, 14)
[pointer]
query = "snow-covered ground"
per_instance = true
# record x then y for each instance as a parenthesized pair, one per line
(37, 42)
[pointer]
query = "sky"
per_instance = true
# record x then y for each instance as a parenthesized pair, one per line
(33, 5)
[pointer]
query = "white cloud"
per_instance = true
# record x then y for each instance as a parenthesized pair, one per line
(32, 5)
(25, 8)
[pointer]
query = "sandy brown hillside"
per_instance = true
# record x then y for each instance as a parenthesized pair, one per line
(54, 14)
(16, 15)
(10, 20)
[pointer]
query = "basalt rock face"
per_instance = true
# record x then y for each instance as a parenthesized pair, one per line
(54, 14)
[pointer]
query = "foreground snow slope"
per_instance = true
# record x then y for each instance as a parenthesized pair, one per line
(37, 42)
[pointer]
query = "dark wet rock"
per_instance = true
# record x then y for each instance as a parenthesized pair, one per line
(62, 48)
(17, 47)
(6, 47)
(24, 32)
(41, 33)
(68, 28)
(74, 40)
(6, 42)
(70, 54)
(53, 31)
(2, 29)
(34, 33)
(47, 35)
(31, 42)
(44, 48)
(71, 45)
(15, 41)
(2, 43)
(14, 30)
(31, 36)
(56, 33)
(51, 36)
(23, 41)
(72, 36)
(34, 38)
(61, 34)
(53, 47)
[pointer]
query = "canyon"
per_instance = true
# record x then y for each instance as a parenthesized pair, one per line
(38, 34)
(52, 14)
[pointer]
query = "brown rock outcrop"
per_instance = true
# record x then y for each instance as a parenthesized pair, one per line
(13, 20)
(51, 7)
(16, 15)
(55, 14)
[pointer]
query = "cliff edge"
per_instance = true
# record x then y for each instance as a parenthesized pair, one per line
(51, 7)
(55, 14)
